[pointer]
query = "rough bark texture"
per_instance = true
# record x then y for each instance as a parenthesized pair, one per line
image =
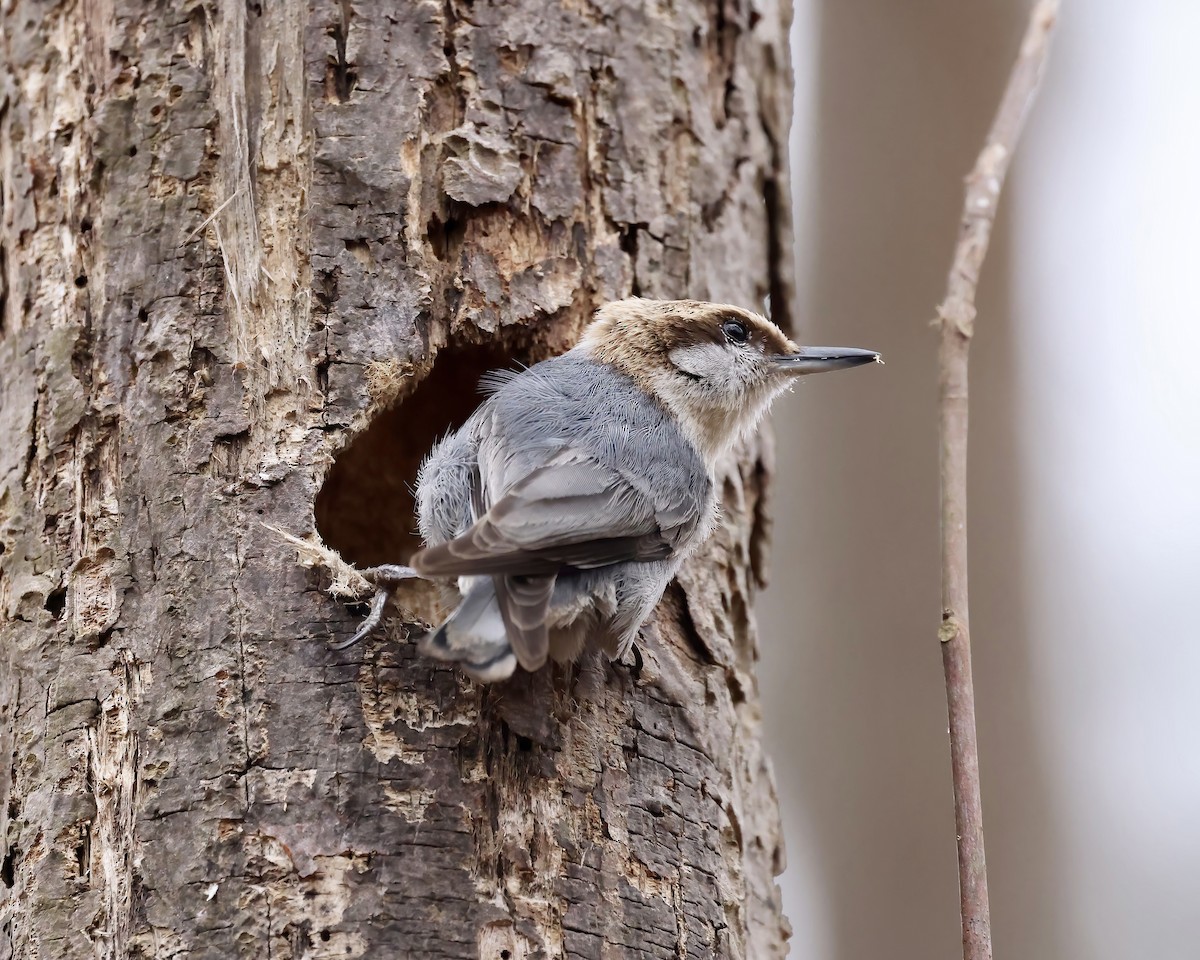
(252, 259)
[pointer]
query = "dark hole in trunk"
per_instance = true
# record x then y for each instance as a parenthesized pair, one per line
(366, 508)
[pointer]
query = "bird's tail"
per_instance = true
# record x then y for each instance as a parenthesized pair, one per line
(473, 636)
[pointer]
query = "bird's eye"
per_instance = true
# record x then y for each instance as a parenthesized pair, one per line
(735, 331)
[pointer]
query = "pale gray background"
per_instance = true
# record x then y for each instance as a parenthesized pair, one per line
(1085, 487)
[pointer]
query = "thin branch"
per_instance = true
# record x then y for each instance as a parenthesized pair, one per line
(956, 317)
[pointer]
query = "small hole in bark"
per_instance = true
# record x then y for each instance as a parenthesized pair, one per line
(340, 76)
(736, 692)
(324, 935)
(85, 225)
(83, 855)
(446, 237)
(339, 82)
(524, 744)
(133, 151)
(8, 869)
(143, 314)
(56, 602)
(505, 954)
(365, 509)
(728, 103)
(629, 244)
(81, 281)
(360, 250)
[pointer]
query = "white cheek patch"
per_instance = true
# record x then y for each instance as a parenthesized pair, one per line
(719, 396)
(710, 361)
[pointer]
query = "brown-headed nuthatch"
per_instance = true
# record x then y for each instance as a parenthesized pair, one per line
(567, 502)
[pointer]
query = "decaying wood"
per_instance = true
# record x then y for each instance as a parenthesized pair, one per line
(252, 259)
(956, 319)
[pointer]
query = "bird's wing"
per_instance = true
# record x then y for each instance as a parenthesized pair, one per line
(572, 511)
(524, 602)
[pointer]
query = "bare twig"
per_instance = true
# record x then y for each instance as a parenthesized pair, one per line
(956, 317)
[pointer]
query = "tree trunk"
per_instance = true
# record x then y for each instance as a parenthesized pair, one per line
(254, 258)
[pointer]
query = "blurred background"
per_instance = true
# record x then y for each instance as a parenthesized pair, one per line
(1085, 487)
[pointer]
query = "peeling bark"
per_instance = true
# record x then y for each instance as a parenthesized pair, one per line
(252, 260)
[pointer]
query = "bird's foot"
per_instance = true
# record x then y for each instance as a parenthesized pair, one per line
(390, 574)
(385, 579)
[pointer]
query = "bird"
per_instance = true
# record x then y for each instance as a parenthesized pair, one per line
(566, 503)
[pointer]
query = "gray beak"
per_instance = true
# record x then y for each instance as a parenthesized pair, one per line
(820, 359)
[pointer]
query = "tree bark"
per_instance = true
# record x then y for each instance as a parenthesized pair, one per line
(253, 258)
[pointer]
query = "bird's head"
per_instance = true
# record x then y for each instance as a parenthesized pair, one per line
(715, 367)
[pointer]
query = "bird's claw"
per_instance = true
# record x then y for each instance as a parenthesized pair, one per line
(385, 579)
(635, 668)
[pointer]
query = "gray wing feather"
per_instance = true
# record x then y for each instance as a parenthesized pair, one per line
(523, 603)
(571, 512)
